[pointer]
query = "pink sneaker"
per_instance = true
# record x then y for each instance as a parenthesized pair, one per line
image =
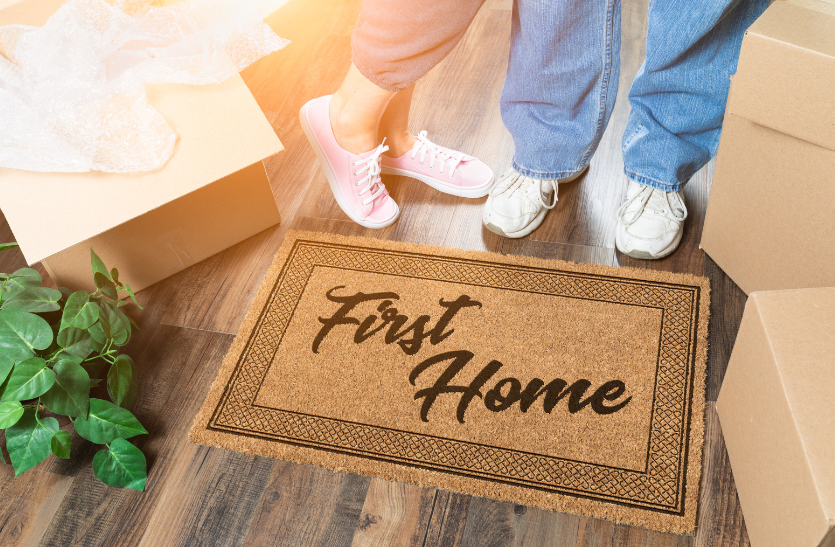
(354, 179)
(446, 170)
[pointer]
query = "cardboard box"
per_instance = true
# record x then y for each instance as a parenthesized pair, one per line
(777, 410)
(770, 221)
(211, 194)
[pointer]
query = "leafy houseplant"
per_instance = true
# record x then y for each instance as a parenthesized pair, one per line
(56, 347)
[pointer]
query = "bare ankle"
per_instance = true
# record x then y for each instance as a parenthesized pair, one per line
(346, 132)
(399, 143)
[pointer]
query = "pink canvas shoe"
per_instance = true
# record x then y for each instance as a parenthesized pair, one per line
(443, 169)
(354, 179)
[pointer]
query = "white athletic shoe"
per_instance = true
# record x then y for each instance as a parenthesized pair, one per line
(650, 222)
(517, 204)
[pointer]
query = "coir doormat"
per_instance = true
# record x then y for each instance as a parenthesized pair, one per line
(571, 387)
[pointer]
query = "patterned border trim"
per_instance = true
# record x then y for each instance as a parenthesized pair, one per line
(660, 488)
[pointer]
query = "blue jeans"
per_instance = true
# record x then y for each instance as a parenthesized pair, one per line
(562, 81)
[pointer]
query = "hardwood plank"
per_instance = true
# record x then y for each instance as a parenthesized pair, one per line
(585, 212)
(394, 513)
(602, 533)
(558, 251)
(721, 523)
(493, 523)
(189, 487)
(727, 302)
(27, 504)
(494, 146)
(307, 506)
(271, 79)
(448, 521)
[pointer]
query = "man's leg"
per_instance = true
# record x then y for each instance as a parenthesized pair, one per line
(558, 95)
(678, 103)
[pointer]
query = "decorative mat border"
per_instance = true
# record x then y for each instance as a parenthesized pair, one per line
(664, 493)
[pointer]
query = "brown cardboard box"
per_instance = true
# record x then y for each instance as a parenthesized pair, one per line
(777, 410)
(770, 221)
(211, 194)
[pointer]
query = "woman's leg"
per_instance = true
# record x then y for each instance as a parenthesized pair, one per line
(394, 125)
(355, 112)
(363, 114)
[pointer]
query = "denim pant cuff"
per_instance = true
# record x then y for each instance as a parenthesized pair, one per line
(657, 184)
(543, 175)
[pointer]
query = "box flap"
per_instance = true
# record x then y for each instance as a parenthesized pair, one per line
(220, 130)
(786, 74)
(800, 325)
(823, 6)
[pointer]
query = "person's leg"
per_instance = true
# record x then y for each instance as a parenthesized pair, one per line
(559, 93)
(561, 84)
(394, 44)
(678, 103)
(394, 125)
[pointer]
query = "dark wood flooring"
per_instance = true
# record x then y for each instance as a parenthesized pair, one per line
(207, 496)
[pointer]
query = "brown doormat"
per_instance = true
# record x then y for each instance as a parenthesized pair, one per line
(571, 387)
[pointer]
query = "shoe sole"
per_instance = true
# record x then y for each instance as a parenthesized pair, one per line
(646, 255)
(479, 192)
(330, 174)
(537, 219)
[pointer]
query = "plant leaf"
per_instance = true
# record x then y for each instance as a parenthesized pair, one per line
(97, 332)
(27, 277)
(7, 246)
(122, 466)
(98, 265)
(115, 323)
(34, 300)
(70, 395)
(6, 366)
(119, 379)
(28, 441)
(76, 341)
(61, 443)
(132, 296)
(21, 333)
(10, 413)
(114, 275)
(94, 382)
(76, 302)
(107, 422)
(29, 379)
(133, 390)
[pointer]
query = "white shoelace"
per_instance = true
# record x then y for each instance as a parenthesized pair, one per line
(523, 184)
(646, 194)
(373, 182)
(425, 147)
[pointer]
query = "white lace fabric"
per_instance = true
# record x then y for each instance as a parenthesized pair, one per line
(514, 182)
(425, 148)
(373, 182)
(72, 95)
(657, 200)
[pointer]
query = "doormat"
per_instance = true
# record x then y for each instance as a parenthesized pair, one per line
(571, 387)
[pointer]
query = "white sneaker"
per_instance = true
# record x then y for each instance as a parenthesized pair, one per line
(650, 222)
(517, 204)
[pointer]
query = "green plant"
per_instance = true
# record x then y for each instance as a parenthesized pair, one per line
(56, 348)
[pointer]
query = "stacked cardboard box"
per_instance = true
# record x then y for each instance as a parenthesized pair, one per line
(777, 410)
(769, 225)
(211, 194)
(770, 221)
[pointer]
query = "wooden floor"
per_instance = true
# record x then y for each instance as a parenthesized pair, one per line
(207, 496)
